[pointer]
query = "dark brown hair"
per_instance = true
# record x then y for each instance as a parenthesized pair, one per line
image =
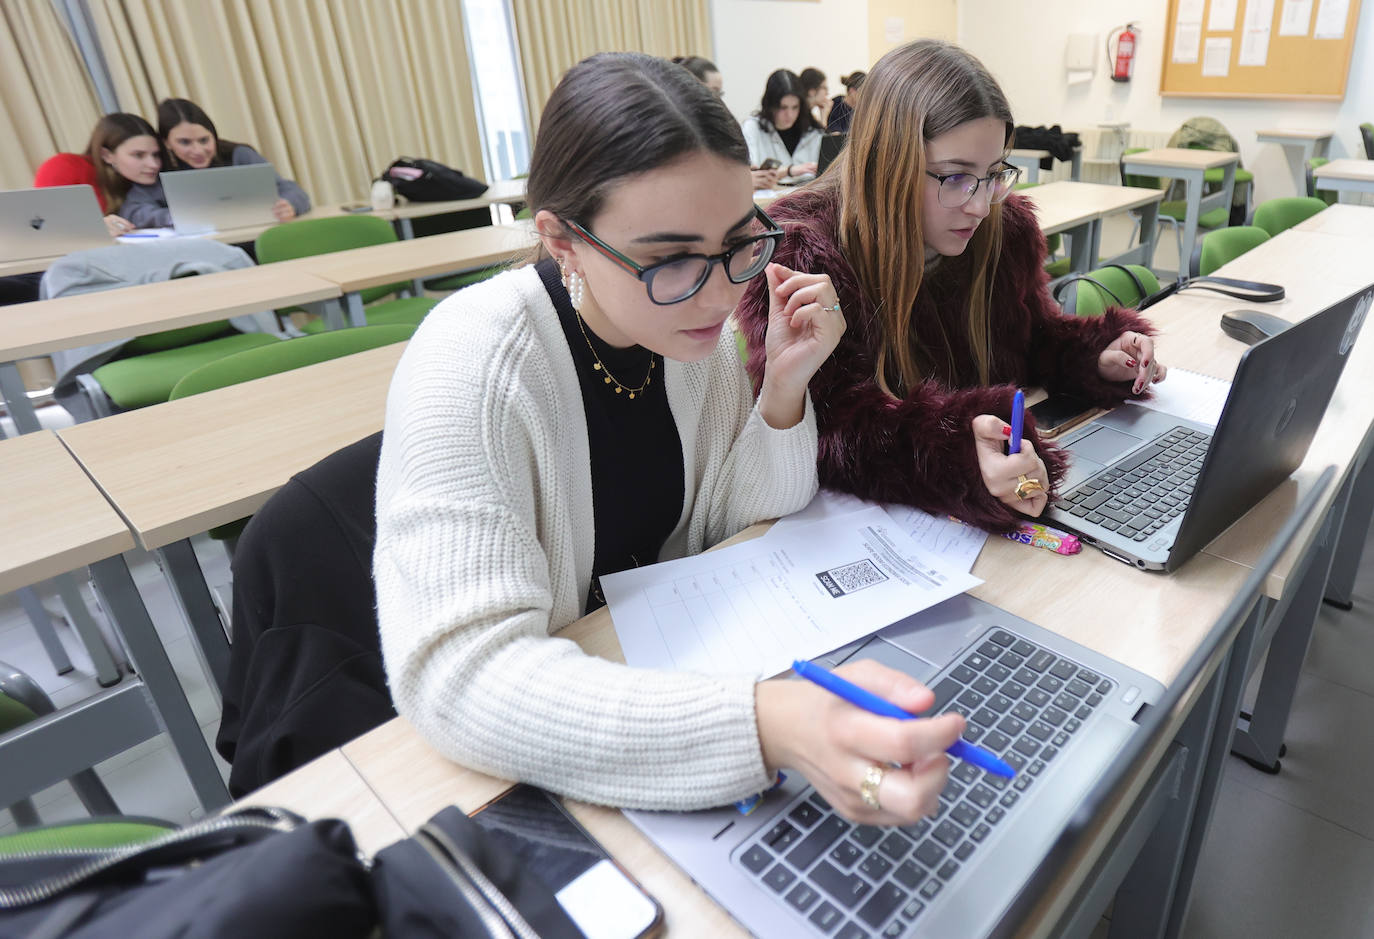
(811, 79)
(697, 65)
(779, 85)
(914, 94)
(619, 114)
(174, 111)
(111, 131)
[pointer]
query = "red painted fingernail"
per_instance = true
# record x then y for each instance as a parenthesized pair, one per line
(1131, 362)
(1006, 431)
(1146, 362)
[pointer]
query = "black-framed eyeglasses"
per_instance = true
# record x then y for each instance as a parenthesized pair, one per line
(957, 189)
(678, 278)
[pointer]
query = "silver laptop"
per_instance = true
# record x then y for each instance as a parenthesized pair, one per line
(1152, 489)
(1074, 723)
(50, 222)
(220, 198)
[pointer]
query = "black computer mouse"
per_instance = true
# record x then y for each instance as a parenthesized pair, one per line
(1252, 326)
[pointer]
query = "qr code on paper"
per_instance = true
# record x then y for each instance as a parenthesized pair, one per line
(849, 578)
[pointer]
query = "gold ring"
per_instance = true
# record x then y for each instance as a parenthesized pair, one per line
(868, 789)
(1025, 486)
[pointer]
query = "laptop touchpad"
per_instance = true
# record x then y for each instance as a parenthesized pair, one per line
(885, 653)
(1103, 445)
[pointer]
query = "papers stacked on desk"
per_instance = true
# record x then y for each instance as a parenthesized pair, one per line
(754, 607)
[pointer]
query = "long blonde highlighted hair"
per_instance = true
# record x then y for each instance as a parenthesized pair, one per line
(914, 94)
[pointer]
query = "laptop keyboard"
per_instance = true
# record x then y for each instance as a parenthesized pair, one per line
(1146, 491)
(1022, 702)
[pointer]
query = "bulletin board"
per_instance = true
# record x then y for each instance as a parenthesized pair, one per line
(1259, 48)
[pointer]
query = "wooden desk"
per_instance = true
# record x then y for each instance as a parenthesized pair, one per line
(1347, 220)
(1189, 166)
(1345, 176)
(44, 326)
(1078, 210)
(55, 520)
(505, 191)
(1029, 160)
(1308, 143)
(360, 268)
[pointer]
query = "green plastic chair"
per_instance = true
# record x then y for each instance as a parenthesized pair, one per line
(1326, 195)
(308, 237)
(1277, 215)
(1116, 289)
(1217, 248)
(137, 379)
(283, 357)
(22, 701)
(1171, 212)
(1367, 134)
(84, 835)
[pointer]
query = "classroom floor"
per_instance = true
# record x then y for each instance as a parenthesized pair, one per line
(1286, 855)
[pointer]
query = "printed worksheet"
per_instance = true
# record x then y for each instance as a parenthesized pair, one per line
(955, 543)
(754, 607)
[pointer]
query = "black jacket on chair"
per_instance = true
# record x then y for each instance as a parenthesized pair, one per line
(305, 673)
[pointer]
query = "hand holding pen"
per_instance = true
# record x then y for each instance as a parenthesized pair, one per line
(1011, 469)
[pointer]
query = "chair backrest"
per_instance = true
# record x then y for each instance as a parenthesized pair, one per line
(307, 237)
(1225, 244)
(1113, 287)
(288, 355)
(1276, 215)
(1367, 132)
(84, 835)
(1326, 195)
(1134, 179)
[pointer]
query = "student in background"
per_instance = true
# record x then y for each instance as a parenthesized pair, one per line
(842, 107)
(782, 129)
(705, 71)
(589, 413)
(817, 92)
(941, 274)
(193, 143)
(123, 151)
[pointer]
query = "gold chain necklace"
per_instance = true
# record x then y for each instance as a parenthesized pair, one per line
(610, 379)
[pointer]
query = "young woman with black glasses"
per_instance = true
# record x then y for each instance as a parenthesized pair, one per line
(940, 270)
(590, 413)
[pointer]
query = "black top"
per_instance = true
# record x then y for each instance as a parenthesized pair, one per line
(791, 137)
(637, 474)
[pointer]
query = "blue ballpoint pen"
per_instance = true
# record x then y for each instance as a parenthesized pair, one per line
(875, 705)
(1018, 421)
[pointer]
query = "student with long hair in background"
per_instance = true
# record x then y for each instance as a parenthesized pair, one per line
(940, 270)
(589, 413)
(782, 129)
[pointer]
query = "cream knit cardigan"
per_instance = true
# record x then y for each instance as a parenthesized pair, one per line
(485, 543)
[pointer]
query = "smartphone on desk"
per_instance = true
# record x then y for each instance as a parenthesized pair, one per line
(1059, 413)
(771, 163)
(600, 897)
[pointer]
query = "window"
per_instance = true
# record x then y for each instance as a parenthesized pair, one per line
(496, 84)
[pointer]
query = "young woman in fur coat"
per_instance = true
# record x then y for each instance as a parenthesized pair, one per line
(941, 276)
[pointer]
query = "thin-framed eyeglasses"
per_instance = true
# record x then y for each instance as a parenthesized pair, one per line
(678, 278)
(957, 189)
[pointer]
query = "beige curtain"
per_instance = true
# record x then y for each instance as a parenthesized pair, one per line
(555, 34)
(47, 103)
(329, 91)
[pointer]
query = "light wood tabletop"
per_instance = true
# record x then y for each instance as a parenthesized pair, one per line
(360, 268)
(1346, 169)
(48, 325)
(507, 190)
(52, 517)
(1065, 204)
(1178, 158)
(1345, 220)
(1287, 133)
(216, 457)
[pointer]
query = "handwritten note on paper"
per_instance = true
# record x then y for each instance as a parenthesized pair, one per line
(1189, 395)
(753, 607)
(1216, 58)
(953, 542)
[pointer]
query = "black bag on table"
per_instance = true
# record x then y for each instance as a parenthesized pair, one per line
(422, 180)
(266, 873)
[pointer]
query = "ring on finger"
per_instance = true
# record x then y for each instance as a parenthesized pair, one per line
(833, 308)
(868, 787)
(1025, 485)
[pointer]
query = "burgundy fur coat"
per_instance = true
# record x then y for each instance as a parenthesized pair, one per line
(919, 450)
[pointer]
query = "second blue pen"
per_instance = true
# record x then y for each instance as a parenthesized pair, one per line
(870, 702)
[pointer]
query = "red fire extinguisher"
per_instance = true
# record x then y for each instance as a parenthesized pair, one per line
(1122, 59)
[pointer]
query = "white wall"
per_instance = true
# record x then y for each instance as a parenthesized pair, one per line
(1023, 45)
(755, 37)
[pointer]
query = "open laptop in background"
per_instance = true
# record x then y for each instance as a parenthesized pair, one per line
(50, 222)
(1152, 489)
(220, 198)
(1073, 722)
